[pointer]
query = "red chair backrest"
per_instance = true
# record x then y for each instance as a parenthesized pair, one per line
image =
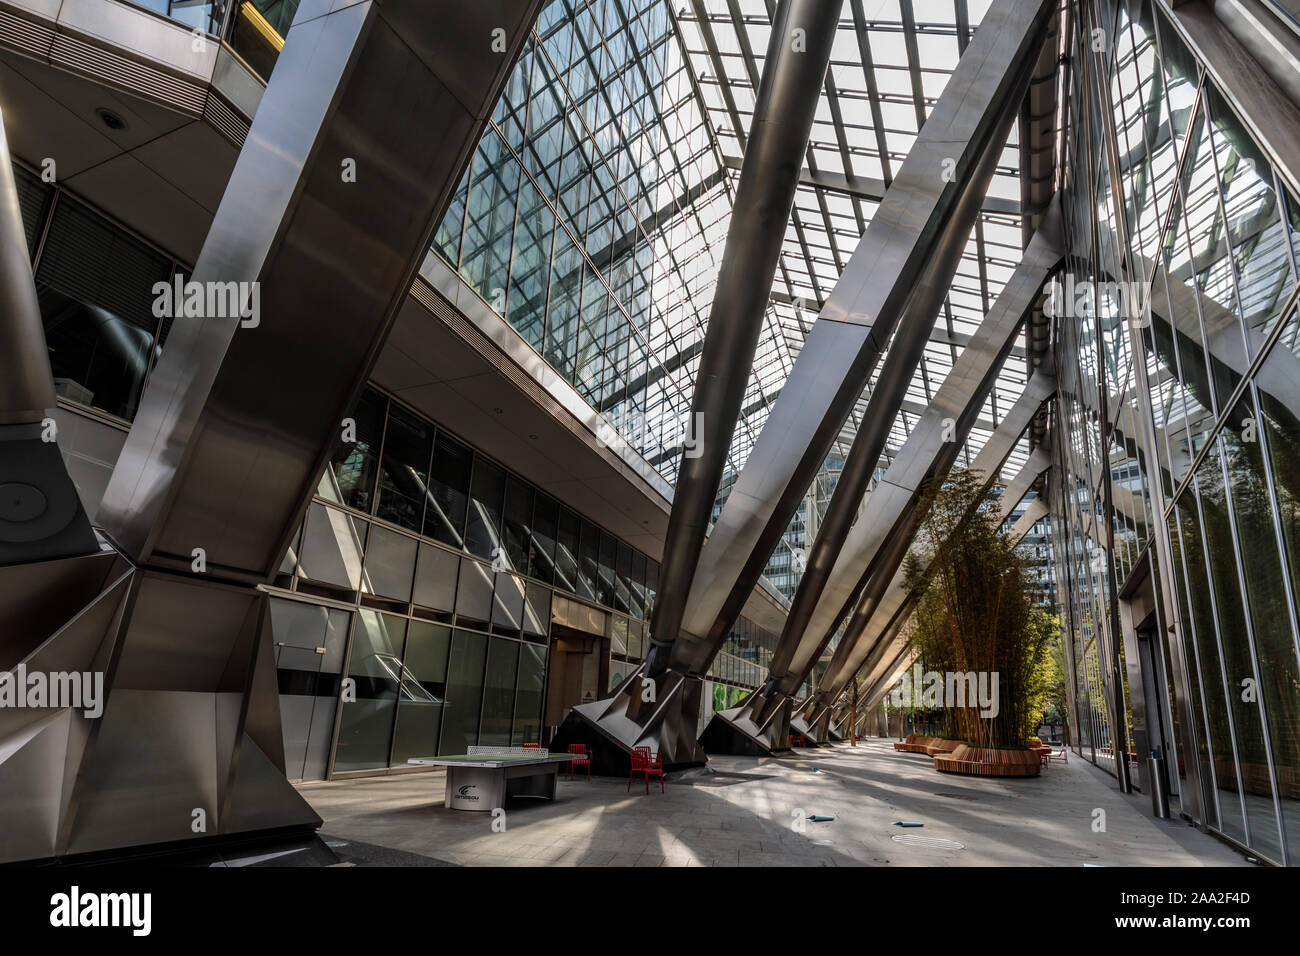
(640, 758)
(578, 749)
(532, 746)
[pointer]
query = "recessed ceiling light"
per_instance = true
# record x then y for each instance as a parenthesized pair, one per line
(111, 119)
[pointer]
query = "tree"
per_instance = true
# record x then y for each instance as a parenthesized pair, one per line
(975, 612)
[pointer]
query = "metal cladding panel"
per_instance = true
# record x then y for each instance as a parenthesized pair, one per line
(858, 319)
(238, 422)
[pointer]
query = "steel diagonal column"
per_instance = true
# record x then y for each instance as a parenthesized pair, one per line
(880, 539)
(41, 517)
(803, 32)
(872, 641)
(60, 593)
(902, 658)
(886, 398)
(360, 140)
(856, 323)
(886, 575)
(930, 450)
(661, 710)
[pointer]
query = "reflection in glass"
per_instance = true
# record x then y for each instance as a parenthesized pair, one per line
(444, 518)
(1240, 678)
(424, 688)
(1277, 668)
(404, 472)
(95, 286)
(499, 693)
(464, 692)
(528, 695)
(349, 478)
(483, 529)
(375, 666)
(1255, 232)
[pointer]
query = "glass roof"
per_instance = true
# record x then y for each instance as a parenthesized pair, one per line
(595, 212)
(890, 62)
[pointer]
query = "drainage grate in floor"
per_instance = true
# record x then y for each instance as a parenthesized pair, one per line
(929, 842)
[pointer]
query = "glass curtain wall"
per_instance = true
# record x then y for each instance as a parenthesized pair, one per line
(1179, 405)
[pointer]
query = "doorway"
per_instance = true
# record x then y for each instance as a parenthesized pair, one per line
(578, 672)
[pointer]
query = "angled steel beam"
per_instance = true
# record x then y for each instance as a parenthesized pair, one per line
(902, 653)
(856, 323)
(868, 634)
(798, 54)
(832, 579)
(884, 571)
(886, 397)
(787, 101)
(368, 122)
(1033, 514)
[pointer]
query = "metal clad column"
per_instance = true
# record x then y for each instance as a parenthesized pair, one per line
(803, 32)
(886, 398)
(26, 385)
(237, 423)
(41, 516)
(856, 323)
(931, 449)
(868, 638)
(365, 128)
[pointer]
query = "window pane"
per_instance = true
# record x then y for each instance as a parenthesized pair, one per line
(404, 474)
(566, 552)
(1239, 675)
(444, 519)
(499, 693)
(464, 692)
(390, 564)
(349, 478)
(518, 513)
(1277, 671)
(366, 727)
(528, 695)
(483, 530)
(96, 290)
(541, 546)
(424, 688)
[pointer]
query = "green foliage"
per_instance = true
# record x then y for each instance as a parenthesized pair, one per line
(975, 611)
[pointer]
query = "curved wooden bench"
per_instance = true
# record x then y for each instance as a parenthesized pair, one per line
(914, 744)
(982, 762)
(942, 746)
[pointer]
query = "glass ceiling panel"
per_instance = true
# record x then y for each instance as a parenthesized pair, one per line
(610, 167)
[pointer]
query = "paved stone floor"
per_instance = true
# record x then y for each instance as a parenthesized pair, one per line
(742, 811)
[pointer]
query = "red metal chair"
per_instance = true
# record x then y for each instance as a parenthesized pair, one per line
(532, 746)
(648, 765)
(583, 759)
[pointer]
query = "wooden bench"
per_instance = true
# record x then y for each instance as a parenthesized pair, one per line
(982, 762)
(941, 745)
(914, 744)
